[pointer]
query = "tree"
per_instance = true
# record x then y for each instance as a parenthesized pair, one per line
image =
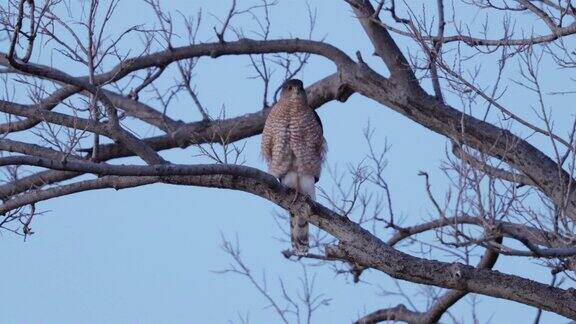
(512, 184)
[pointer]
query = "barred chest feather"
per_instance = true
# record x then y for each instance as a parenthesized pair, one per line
(297, 139)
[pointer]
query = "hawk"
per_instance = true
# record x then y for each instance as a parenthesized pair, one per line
(293, 146)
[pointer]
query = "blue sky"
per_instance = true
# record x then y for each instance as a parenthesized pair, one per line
(148, 255)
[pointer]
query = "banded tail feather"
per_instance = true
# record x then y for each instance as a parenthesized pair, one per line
(304, 184)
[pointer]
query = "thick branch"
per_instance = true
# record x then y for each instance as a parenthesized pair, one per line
(450, 298)
(399, 313)
(230, 130)
(442, 304)
(467, 130)
(383, 43)
(241, 47)
(360, 246)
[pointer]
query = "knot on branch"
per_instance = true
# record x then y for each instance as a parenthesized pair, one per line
(457, 272)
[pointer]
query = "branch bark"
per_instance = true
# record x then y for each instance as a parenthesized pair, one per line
(232, 129)
(356, 244)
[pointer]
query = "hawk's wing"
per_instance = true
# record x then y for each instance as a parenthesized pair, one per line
(267, 140)
(323, 147)
(318, 120)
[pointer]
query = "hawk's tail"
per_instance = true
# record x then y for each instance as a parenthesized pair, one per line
(298, 224)
(299, 234)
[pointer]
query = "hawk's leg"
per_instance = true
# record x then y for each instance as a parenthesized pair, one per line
(296, 190)
(292, 181)
(302, 184)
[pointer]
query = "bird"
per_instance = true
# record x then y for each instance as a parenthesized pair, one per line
(294, 149)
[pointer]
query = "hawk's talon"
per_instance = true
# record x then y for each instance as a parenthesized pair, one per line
(296, 193)
(299, 253)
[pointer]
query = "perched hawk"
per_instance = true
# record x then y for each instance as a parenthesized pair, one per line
(293, 146)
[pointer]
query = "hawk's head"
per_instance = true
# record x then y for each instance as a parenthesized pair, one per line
(292, 89)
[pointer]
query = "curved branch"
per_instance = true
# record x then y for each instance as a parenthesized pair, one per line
(512, 230)
(35, 150)
(461, 128)
(48, 103)
(163, 58)
(57, 161)
(410, 99)
(242, 46)
(473, 41)
(383, 43)
(433, 314)
(55, 118)
(131, 107)
(398, 313)
(232, 129)
(505, 41)
(166, 57)
(450, 298)
(361, 247)
(114, 182)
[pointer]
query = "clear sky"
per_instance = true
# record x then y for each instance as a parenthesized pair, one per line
(148, 255)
